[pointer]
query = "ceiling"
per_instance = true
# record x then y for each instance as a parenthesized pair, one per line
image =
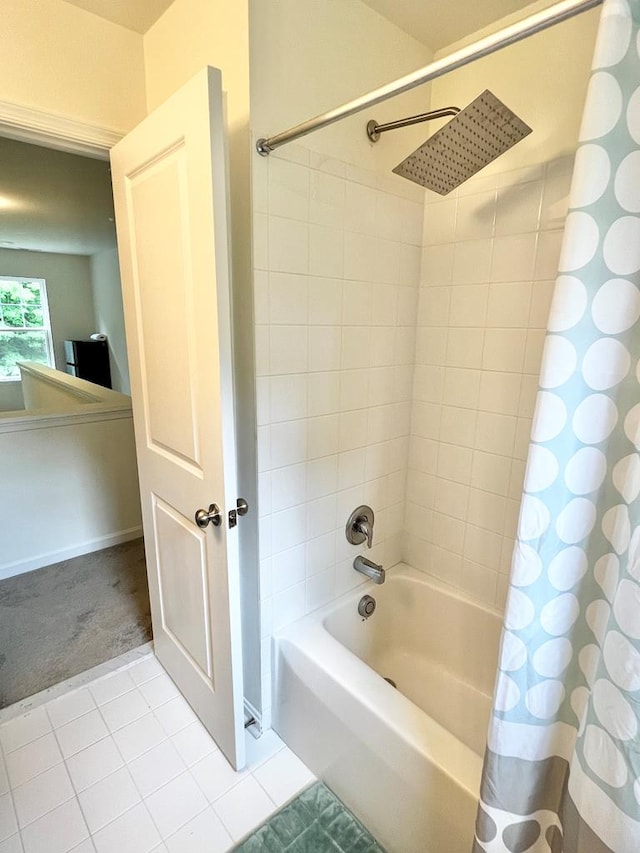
(436, 23)
(136, 15)
(51, 201)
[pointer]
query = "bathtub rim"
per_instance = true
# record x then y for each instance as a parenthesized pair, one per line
(397, 572)
(308, 638)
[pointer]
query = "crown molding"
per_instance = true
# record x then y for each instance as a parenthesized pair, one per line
(28, 124)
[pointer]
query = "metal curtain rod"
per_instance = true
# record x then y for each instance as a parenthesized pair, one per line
(509, 35)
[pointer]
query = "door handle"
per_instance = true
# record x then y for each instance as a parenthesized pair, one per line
(213, 516)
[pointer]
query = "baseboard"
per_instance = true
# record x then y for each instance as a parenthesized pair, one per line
(42, 560)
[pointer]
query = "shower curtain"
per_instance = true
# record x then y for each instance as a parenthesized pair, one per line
(562, 765)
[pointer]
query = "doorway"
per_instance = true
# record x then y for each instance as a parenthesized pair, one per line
(72, 593)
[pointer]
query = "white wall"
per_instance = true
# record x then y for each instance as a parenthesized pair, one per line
(543, 79)
(336, 257)
(68, 292)
(309, 56)
(489, 264)
(83, 476)
(108, 314)
(61, 59)
(11, 396)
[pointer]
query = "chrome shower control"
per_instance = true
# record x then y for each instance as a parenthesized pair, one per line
(366, 606)
(359, 527)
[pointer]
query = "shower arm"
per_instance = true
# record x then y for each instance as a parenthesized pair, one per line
(374, 129)
(509, 35)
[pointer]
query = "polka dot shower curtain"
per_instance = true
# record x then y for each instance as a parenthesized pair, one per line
(562, 766)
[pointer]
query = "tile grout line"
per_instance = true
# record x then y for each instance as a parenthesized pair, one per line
(110, 734)
(126, 763)
(3, 755)
(64, 761)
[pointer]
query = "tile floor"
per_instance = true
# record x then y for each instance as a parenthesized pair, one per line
(122, 765)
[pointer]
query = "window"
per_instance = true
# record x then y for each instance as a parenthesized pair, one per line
(25, 331)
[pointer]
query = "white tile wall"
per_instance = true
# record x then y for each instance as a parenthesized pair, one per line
(397, 367)
(489, 259)
(337, 261)
(76, 777)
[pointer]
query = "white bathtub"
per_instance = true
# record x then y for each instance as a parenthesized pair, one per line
(407, 761)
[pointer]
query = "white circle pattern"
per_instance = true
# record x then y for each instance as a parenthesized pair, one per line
(605, 91)
(613, 711)
(585, 471)
(605, 364)
(592, 172)
(626, 477)
(576, 520)
(544, 699)
(550, 417)
(567, 568)
(573, 605)
(595, 418)
(616, 306)
(614, 37)
(580, 241)
(621, 248)
(542, 469)
(604, 758)
(559, 361)
(568, 305)
(606, 572)
(626, 181)
(633, 115)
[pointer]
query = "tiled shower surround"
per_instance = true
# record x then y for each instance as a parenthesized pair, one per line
(489, 264)
(337, 252)
(398, 342)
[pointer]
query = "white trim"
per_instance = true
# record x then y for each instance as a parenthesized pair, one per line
(29, 124)
(21, 421)
(103, 670)
(88, 547)
(92, 402)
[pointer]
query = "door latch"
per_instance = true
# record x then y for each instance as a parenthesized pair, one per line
(242, 508)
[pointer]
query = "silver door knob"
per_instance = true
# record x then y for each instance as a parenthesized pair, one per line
(242, 506)
(212, 516)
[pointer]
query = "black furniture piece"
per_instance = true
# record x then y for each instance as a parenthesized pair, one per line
(88, 360)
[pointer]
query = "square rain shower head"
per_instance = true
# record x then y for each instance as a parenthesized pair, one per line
(474, 138)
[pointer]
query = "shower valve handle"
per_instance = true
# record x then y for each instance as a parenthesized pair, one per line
(359, 527)
(363, 526)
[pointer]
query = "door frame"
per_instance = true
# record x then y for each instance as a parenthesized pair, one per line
(52, 130)
(63, 133)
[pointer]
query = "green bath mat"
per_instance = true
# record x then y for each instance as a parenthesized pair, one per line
(315, 822)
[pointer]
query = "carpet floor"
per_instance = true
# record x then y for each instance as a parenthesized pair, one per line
(68, 617)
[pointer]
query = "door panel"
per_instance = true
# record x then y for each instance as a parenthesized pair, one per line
(170, 193)
(184, 594)
(164, 283)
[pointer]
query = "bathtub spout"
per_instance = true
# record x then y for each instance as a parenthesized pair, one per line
(371, 570)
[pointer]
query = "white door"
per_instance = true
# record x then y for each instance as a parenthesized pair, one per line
(170, 189)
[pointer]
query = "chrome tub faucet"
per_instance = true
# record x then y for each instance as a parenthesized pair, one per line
(372, 570)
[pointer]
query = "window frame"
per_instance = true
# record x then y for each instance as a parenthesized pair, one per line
(46, 317)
